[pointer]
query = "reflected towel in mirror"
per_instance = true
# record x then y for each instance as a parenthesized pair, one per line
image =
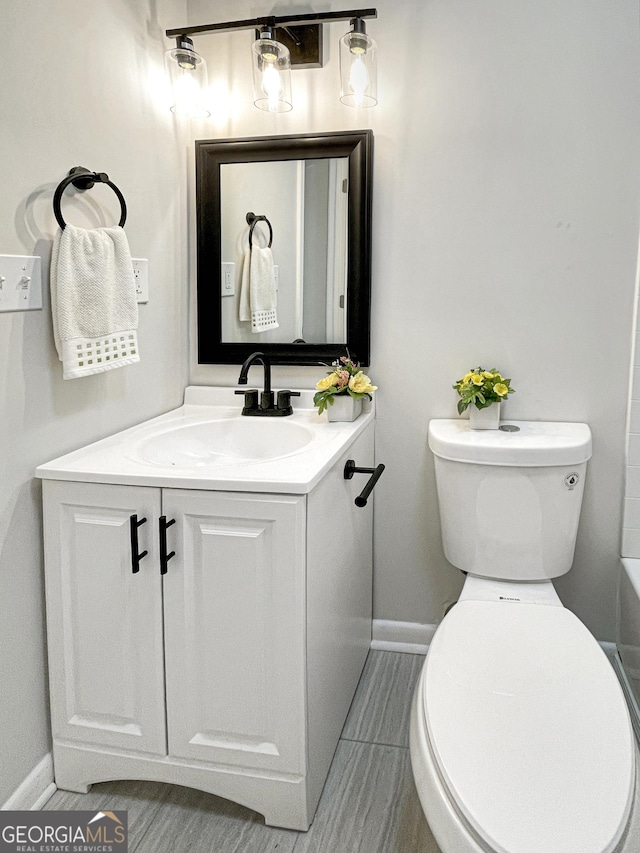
(258, 295)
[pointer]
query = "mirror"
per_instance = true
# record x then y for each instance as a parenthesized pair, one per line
(284, 247)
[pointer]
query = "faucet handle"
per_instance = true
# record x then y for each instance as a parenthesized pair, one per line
(250, 399)
(284, 401)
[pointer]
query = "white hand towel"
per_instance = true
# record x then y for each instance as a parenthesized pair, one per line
(93, 301)
(262, 291)
(244, 305)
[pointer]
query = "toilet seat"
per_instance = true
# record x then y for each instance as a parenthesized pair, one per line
(528, 729)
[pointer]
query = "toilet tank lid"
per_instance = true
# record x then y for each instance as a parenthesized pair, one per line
(533, 444)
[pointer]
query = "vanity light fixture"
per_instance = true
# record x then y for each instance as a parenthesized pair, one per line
(187, 72)
(281, 43)
(358, 79)
(271, 73)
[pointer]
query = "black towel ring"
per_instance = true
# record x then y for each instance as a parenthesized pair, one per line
(252, 221)
(83, 179)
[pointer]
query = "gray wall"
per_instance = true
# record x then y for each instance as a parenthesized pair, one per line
(84, 88)
(505, 233)
(631, 521)
(316, 204)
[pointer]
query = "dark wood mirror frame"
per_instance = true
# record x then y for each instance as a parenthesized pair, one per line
(210, 155)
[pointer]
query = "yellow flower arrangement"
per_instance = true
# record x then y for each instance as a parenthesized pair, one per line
(346, 377)
(482, 388)
(328, 381)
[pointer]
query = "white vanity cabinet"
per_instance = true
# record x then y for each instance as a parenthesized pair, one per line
(233, 671)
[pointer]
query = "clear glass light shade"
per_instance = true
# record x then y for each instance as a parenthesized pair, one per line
(358, 71)
(187, 72)
(271, 76)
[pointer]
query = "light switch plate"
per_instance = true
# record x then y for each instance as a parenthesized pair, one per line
(228, 279)
(141, 276)
(20, 283)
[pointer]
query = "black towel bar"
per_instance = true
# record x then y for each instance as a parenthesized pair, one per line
(252, 221)
(83, 179)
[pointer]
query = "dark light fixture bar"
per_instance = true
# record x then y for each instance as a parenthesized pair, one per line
(271, 21)
(281, 42)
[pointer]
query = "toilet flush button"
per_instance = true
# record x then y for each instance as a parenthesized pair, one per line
(572, 480)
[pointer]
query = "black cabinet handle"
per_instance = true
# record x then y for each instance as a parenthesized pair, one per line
(136, 556)
(164, 557)
(351, 468)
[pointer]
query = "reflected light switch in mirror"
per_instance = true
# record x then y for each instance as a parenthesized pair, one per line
(228, 279)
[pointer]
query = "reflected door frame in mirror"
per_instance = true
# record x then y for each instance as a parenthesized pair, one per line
(357, 146)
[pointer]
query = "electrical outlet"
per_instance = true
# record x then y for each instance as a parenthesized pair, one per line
(141, 276)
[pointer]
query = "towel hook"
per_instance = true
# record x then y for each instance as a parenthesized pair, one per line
(83, 179)
(252, 221)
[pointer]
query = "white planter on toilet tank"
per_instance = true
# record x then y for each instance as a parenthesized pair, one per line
(520, 737)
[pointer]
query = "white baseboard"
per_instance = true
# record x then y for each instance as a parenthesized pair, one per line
(409, 637)
(414, 638)
(35, 790)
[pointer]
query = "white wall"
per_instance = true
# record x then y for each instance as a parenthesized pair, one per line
(505, 233)
(79, 86)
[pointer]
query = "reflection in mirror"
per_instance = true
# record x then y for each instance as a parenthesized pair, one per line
(304, 203)
(284, 247)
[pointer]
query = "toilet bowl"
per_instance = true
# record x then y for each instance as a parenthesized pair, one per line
(520, 737)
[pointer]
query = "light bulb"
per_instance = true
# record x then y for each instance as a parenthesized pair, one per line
(187, 95)
(271, 86)
(358, 80)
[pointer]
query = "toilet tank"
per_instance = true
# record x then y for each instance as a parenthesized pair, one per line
(510, 498)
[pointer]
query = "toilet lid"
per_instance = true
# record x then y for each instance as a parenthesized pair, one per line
(529, 729)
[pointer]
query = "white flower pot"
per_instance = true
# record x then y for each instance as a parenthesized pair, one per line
(345, 408)
(488, 418)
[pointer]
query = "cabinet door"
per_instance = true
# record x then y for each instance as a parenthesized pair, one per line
(104, 622)
(339, 592)
(234, 622)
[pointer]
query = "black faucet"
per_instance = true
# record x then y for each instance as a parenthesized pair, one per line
(266, 406)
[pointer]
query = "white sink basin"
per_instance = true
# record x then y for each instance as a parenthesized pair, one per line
(224, 441)
(208, 444)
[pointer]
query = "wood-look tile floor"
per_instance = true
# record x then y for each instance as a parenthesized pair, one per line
(369, 803)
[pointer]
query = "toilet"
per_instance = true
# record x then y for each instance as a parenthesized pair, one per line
(520, 737)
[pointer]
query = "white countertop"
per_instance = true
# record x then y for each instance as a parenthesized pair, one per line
(120, 458)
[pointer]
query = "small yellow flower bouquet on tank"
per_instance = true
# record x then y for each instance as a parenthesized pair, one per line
(346, 377)
(482, 388)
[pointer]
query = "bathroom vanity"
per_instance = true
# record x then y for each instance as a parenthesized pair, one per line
(208, 585)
